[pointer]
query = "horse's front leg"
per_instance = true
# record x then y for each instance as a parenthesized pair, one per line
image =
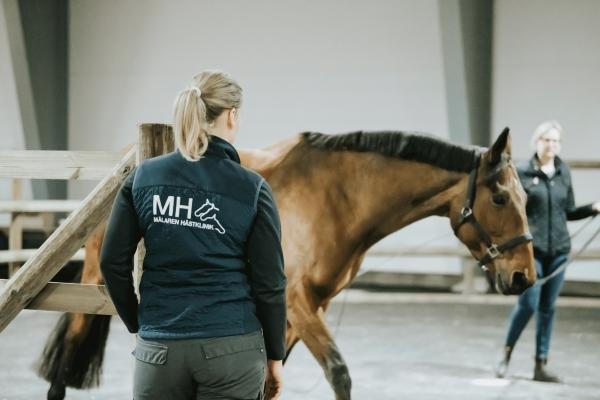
(307, 319)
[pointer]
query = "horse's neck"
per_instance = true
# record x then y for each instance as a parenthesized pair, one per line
(393, 196)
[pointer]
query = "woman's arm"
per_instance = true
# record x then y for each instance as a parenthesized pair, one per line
(267, 278)
(575, 213)
(116, 259)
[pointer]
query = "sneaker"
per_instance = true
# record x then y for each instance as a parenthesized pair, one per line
(502, 365)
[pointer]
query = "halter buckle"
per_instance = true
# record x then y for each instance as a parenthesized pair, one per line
(492, 251)
(466, 212)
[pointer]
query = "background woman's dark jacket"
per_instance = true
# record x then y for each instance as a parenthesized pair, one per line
(550, 203)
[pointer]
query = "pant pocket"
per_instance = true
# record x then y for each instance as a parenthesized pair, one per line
(150, 352)
(233, 367)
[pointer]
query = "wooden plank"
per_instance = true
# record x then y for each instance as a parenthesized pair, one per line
(47, 164)
(72, 297)
(7, 256)
(591, 254)
(36, 206)
(22, 288)
(15, 240)
(583, 164)
(153, 140)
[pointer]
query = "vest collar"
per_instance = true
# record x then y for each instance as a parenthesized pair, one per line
(221, 148)
(534, 166)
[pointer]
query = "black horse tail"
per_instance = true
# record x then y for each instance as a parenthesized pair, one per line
(78, 360)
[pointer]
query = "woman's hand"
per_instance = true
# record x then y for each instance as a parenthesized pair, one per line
(274, 381)
(596, 207)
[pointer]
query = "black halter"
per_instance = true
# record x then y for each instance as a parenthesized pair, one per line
(493, 250)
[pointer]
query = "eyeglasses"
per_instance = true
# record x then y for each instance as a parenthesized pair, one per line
(548, 140)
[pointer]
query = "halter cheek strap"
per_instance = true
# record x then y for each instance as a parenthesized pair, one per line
(493, 250)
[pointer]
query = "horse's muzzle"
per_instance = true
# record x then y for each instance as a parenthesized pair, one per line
(517, 285)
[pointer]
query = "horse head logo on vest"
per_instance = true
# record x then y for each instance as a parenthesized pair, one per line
(208, 212)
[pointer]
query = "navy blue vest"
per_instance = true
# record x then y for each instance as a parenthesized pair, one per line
(195, 218)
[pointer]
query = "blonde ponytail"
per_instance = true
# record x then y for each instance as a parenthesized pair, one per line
(189, 124)
(198, 106)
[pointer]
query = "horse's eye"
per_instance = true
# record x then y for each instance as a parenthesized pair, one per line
(499, 199)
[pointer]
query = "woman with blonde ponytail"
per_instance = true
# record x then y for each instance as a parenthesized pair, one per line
(211, 318)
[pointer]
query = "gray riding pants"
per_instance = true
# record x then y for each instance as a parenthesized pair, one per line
(231, 367)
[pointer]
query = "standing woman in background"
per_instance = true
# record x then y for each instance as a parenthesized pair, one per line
(550, 203)
(211, 319)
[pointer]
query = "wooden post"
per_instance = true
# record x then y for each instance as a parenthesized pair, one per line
(153, 140)
(15, 239)
(15, 230)
(62, 244)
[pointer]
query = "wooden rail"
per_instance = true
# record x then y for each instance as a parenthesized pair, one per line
(590, 254)
(23, 255)
(29, 287)
(583, 164)
(46, 164)
(30, 279)
(38, 206)
(74, 297)
(94, 299)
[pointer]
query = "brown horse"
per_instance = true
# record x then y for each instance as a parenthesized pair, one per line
(337, 196)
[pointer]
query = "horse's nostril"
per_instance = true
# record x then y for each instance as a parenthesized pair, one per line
(519, 281)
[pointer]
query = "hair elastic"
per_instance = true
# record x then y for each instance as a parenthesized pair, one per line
(195, 89)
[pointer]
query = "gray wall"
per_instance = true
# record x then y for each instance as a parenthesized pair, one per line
(11, 128)
(331, 66)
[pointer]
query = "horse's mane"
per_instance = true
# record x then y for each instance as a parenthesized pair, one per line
(405, 145)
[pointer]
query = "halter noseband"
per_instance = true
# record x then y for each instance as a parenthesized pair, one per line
(493, 250)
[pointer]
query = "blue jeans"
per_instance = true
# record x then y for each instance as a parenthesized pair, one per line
(541, 299)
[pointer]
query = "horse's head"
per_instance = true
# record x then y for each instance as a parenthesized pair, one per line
(491, 221)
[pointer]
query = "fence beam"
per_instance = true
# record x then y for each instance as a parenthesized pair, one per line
(22, 288)
(20, 256)
(38, 206)
(49, 164)
(72, 297)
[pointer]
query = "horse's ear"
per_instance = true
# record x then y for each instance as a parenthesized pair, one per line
(502, 145)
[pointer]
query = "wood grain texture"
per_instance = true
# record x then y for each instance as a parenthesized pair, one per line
(22, 288)
(48, 164)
